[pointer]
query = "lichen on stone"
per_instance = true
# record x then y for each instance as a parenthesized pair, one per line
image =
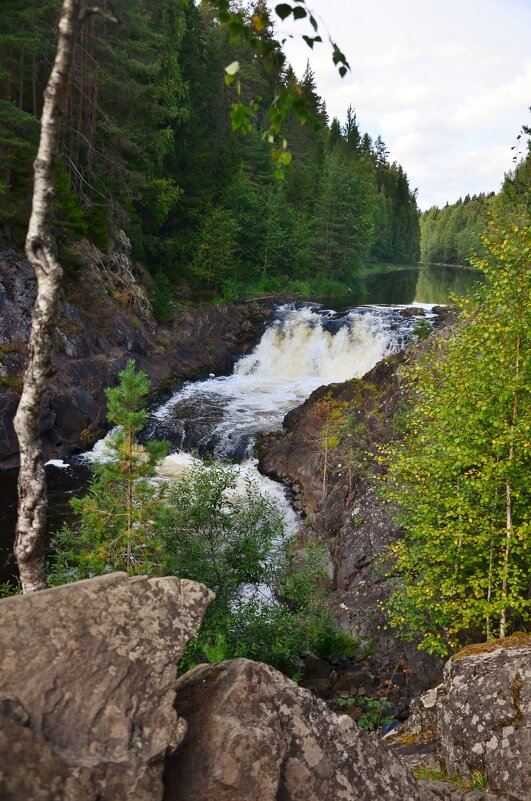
(516, 640)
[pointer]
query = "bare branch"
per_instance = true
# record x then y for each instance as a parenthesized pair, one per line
(92, 11)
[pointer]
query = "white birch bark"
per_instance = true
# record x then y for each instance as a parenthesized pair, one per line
(42, 254)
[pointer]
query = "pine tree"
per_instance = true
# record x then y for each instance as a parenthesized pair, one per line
(117, 517)
(351, 132)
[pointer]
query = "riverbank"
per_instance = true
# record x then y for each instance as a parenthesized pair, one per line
(385, 267)
(104, 319)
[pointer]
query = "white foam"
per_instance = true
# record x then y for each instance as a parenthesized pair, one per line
(299, 352)
(57, 463)
(177, 465)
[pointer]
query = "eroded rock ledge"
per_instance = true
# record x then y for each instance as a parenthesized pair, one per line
(255, 736)
(349, 518)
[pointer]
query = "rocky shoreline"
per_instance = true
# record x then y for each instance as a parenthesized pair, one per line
(91, 710)
(104, 319)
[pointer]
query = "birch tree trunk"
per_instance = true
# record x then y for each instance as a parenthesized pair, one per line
(42, 255)
(41, 251)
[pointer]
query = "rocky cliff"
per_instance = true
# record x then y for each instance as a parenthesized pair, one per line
(104, 319)
(327, 454)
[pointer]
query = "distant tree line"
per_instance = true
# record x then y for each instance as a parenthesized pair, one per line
(147, 145)
(453, 234)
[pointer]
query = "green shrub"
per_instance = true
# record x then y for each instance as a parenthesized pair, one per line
(162, 301)
(210, 527)
(269, 603)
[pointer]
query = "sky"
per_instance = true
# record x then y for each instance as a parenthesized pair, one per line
(447, 85)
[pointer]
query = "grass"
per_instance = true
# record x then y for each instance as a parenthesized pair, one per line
(476, 780)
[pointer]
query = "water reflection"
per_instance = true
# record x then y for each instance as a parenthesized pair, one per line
(421, 285)
(436, 284)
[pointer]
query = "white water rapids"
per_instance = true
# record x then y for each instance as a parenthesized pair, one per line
(300, 350)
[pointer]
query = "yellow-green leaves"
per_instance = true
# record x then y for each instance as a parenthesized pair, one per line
(231, 71)
(462, 472)
(268, 50)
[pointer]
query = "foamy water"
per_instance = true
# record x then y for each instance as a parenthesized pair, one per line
(300, 351)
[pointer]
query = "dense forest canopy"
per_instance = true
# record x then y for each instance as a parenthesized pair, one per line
(452, 235)
(148, 146)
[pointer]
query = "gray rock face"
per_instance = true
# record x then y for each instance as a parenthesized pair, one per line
(253, 735)
(105, 318)
(484, 718)
(350, 520)
(479, 718)
(88, 672)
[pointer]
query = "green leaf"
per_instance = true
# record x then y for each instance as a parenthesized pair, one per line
(299, 12)
(233, 68)
(283, 10)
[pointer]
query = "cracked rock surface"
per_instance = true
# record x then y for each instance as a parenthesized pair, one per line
(87, 676)
(254, 735)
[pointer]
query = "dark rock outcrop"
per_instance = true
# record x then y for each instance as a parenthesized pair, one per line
(104, 319)
(253, 735)
(87, 676)
(347, 515)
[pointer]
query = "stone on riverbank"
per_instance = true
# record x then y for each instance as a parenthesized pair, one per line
(254, 735)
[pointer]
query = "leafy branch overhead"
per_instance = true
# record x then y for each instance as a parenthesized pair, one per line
(290, 98)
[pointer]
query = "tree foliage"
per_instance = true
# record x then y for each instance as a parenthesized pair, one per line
(453, 234)
(210, 526)
(462, 472)
(117, 529)
(147, 144)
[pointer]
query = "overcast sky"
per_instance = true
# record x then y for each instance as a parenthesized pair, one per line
(446, 84)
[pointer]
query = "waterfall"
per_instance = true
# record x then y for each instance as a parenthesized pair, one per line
(301, 350)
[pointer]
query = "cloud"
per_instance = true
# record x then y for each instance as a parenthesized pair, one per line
(446, 86)
(486, 107)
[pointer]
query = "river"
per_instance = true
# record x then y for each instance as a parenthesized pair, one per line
(304, 347)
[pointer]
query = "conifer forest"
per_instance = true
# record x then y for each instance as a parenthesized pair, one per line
(265, 401)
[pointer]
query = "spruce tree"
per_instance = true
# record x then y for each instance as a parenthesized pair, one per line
(117, 517)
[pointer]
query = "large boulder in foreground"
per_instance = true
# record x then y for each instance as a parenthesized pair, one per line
(484, 714)
(87, 683)
(479, 718)
(253, 735)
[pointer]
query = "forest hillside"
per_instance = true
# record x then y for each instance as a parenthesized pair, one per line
(147, 146)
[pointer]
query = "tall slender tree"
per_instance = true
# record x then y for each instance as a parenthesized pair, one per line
(41, 250)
